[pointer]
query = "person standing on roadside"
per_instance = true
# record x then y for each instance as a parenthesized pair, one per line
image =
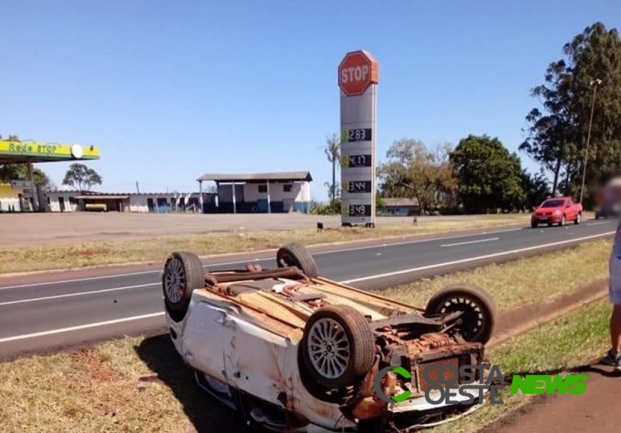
(611, 194)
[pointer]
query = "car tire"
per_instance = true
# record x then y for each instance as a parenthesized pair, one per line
(578, 218)
(183, 273)
(562, 223)
(478, 320)
(351, 332)
(294, 254)
(534, 224)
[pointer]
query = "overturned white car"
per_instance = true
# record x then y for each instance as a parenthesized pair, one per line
(289, 349)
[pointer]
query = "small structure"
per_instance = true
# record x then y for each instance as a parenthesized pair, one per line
(26, 196)
(258, 192)
(399, 207)
(166, 202)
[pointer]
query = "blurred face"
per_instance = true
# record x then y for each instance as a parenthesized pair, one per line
(611, 193)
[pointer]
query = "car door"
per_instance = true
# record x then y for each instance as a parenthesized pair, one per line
(206, 338)
(254, 359)
(570, 210)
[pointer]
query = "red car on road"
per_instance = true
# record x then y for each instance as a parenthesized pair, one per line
(557, 210)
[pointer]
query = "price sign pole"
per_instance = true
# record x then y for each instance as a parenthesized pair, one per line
(358, 76)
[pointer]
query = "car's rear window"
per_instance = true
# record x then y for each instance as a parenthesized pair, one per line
(553, 203)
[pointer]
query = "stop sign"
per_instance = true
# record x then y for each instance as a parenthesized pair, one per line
(357, 72)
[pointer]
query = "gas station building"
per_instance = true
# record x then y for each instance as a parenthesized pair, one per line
(279, 192)
(20, 194)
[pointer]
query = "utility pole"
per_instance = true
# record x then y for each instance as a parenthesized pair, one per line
(137, 188)
(594, 84)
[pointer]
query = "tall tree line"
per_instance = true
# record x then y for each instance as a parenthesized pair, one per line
(580, 108)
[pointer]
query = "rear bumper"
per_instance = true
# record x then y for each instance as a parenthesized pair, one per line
(417, 414)
(461, 399)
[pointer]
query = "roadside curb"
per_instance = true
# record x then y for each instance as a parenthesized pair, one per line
(350, 243)
(582, 296)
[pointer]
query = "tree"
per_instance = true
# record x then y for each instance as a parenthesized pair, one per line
(333, 153)
(81, 177)
(414, 171)
(212, 189)
(557, 134)
(9, 172)
(536, 189)
(334, 193)
(489, 176)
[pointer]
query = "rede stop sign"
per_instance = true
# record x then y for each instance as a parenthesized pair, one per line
(357, 72)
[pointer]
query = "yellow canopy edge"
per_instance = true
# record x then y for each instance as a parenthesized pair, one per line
(31, 151)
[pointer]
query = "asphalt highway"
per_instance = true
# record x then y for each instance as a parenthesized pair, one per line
(58, 312)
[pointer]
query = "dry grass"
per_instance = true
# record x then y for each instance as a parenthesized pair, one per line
(156, 249)
(140, 385)
(524, 281)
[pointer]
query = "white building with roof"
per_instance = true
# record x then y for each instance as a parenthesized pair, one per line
(259, 192)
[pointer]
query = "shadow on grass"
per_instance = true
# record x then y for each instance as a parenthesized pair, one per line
(206, 414)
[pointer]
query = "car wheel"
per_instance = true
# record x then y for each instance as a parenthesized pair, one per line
(337, 347)
(183, 273)
(578, 218)
(534, 224)
(562, 223)
(476, 324)
(296, 255)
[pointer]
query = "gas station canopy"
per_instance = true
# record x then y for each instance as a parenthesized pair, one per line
(19, 152)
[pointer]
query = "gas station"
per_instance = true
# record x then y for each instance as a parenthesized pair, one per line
(32, 152)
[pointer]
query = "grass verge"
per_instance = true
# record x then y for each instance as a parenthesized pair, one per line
(138, 384)
(156, 249)
(525, 281)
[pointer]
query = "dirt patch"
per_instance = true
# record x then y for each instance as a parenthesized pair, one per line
(35, 229)
(595, 411)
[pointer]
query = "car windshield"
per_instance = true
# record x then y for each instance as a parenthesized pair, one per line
(553, 203)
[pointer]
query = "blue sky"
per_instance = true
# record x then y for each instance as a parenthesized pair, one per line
(171, 90)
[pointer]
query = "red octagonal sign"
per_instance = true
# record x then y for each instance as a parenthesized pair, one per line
(357, 72)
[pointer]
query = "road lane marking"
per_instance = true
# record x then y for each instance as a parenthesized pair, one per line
(469, 242)
(472, 259)
(599, 223)
(95, 292)
(242, 262)
(70, 295)
(371, 277)
(79, 327)
(106, 277)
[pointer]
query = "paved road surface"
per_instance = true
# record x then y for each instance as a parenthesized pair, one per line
(66, 310)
